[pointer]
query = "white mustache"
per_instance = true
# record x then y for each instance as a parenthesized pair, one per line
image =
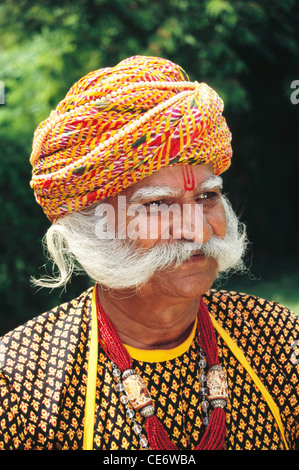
(180, 251)
(119, 264)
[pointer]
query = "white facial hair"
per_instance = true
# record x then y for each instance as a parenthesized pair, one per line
(119, 264)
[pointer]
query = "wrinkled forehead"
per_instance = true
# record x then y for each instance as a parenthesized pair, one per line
(177, 180)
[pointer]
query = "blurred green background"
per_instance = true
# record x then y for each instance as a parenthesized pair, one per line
(247, 50)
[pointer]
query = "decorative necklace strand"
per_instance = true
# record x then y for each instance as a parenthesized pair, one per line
(134, 392)
(127, 395)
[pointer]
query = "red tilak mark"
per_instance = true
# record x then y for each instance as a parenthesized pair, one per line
(189, 182)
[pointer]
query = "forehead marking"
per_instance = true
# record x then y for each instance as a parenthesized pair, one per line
(189, 181)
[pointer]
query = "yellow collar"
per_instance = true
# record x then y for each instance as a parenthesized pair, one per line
(160, 355)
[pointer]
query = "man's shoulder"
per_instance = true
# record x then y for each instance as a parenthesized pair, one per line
(66, 317)
(254, 310)
(38, 362)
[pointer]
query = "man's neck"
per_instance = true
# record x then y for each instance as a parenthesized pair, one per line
(150, 322)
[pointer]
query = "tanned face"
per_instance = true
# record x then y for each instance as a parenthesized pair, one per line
(181, 185)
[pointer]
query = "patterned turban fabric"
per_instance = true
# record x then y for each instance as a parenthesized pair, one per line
(118, 125)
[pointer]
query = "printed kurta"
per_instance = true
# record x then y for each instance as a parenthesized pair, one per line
(44, 373)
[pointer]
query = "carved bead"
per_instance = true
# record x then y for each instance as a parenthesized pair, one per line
(147, 411)
(217, 390)
(136, 390)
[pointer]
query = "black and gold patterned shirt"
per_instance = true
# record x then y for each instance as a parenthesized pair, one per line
(43, 376)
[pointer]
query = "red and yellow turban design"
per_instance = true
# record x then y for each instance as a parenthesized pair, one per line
(120, 124)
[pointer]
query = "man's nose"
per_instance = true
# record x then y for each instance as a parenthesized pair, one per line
(192, 225)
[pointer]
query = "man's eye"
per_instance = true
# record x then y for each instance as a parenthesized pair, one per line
(153, 203)
(208, 195)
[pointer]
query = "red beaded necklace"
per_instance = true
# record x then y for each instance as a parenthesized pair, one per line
(214, 436)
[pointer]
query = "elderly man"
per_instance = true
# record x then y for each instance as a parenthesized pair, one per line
(127, 170)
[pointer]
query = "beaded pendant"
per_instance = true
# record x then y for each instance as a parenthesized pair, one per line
(135, 396)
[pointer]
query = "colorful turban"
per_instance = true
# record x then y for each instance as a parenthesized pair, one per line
(118, 125)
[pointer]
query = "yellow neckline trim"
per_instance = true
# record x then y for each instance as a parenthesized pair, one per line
(90, 401)
(161, 355)
(242, 359)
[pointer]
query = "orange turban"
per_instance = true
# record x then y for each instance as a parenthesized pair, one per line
(118, 125)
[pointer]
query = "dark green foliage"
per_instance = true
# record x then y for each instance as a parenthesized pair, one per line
(247, 50)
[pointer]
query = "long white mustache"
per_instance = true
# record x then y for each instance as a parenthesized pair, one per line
(124, 265)
(119, 264)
